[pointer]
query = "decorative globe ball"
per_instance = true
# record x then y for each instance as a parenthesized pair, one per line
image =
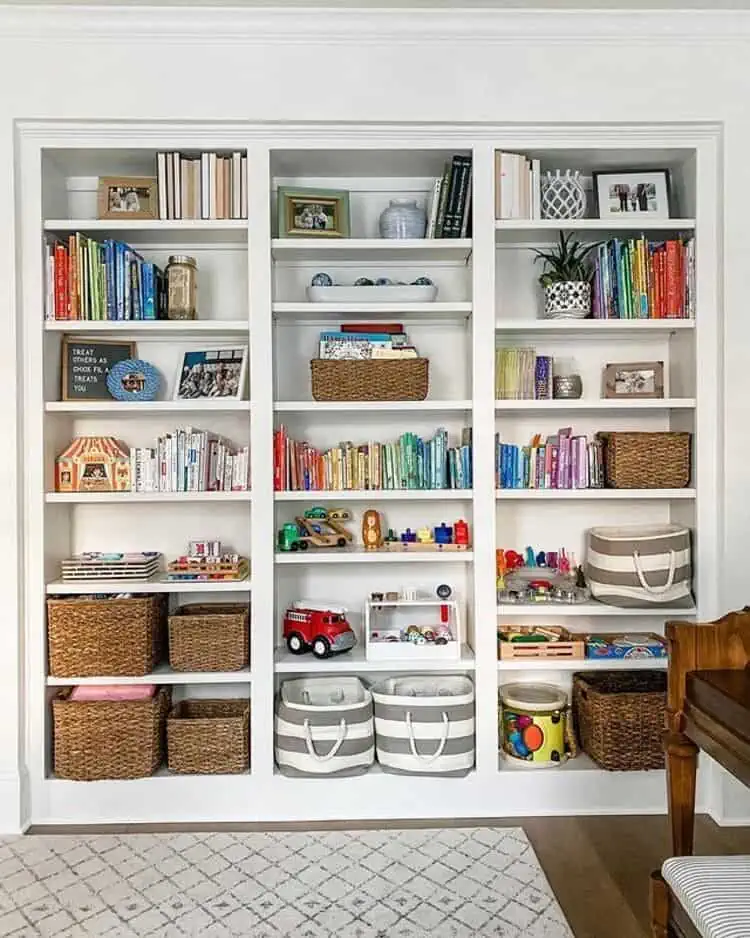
(364, 282)
(322, 280)
(383, 282)
(423, 282)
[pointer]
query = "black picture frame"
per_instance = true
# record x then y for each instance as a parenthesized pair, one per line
(618, 174)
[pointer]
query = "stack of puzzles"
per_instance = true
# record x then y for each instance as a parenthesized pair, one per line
(94, 565)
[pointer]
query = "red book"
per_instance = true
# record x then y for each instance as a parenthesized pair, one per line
(673, 288)
(389, 328)
(61, 299)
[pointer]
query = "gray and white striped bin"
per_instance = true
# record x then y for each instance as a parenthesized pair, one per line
(324, 726)
(425, 725)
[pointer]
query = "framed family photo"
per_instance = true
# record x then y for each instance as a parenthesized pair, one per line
(634, 380)
(212, 373)
(127, 197)
(629, 195)
(313, 213)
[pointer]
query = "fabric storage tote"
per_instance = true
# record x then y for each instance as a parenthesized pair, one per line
(425, 725)
(324, 726)
(640, 566)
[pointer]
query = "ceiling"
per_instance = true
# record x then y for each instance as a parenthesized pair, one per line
(623, 5)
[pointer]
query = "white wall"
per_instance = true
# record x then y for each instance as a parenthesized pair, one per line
(379, 66)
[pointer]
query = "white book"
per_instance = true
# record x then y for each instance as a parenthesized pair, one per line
(170, 185)
(536, 189)
(517, 184)
(161, 183)
(506, 185)
(49, 297)
(205, 186)
(434, 204)
(196, 183)
(243, 187)
(212, 202)
(236, 185)
(184, 186)
(177, 185)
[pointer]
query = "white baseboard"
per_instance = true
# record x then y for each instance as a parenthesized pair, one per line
(13, 816)
(731, 805)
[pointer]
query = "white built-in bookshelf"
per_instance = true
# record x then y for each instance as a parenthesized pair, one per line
(252, 290)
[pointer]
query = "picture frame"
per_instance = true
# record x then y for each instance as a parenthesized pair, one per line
(313, 213)
(633, 380)
(630, 194)
(127, 198)
(215, 373)
(86, 364)
(133, 379)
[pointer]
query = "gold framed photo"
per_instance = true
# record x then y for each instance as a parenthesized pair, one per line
(633, 380)
(313, 213)
(127, 197)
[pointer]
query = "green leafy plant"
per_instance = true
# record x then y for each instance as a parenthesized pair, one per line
(567, 261)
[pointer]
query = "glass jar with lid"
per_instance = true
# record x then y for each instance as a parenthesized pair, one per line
(182, 287)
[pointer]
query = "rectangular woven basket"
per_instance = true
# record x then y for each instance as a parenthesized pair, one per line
(365, 380)
(89, 637)
(209, 637)
(619, 717)
(659, 460)
(209, 737)
(98, 739)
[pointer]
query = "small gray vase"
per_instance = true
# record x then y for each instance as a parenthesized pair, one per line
(403, 219)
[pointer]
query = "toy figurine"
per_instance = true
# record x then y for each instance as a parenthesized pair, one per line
(541, 559)
(564, 564)
(580, 579)
(408, 536)
(461, 533)
(530, 558)
(443, 534)
(501, 568)
(513, 560)
(424, 536)
(391, 537)
(371, 534)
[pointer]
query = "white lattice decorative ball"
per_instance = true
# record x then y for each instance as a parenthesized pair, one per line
(563, 195)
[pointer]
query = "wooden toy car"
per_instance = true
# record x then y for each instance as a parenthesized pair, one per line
(309, 530)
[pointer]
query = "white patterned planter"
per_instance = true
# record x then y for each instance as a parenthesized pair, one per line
(570, 299)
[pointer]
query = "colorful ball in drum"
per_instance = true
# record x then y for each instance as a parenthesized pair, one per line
(533, 723)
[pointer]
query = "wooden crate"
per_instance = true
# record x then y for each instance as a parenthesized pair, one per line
(564, 644)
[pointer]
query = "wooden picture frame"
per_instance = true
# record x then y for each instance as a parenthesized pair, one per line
(127, 198)
(633, 193)
(96, 357)
(215, 373)
(312, 213)
(633, 380)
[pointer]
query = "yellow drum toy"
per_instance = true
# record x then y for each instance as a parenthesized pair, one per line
(534, 724)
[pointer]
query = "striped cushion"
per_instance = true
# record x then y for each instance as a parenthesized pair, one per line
(714, 891)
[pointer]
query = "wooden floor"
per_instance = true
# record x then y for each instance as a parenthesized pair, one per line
(598, 866)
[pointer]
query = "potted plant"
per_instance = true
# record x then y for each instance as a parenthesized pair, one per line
(566, 279)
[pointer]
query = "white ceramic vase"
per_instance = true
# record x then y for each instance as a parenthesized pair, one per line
(403, 219)
(569, 299)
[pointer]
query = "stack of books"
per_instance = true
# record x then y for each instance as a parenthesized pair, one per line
(561, 461)
(210, 185)
(450, 207)
(189, 460)
(106, 280)
(366, 341)
(517, 186)
(409, 463)
(95, 565)
(642, 279)
(522, 375)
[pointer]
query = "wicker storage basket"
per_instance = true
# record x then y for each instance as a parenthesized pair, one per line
(364, 380)
(619, 717)
(209, 637)
(646, 460)
(97, 739)
(88, 637)
(208, 736)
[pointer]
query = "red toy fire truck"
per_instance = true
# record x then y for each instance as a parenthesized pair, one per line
(318, 627)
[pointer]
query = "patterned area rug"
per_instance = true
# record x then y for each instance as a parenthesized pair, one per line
(349, 884)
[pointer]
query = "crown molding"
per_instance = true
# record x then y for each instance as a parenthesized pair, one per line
(297, 26)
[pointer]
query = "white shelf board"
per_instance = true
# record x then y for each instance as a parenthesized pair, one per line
(376, 495)
(170, 328)
(581, 763)
(144, 408)
(414, 312)
(344, 407)
(163, 674)
(287, 663)
(157, 585)
(595, 494)
(360, 555)
(564, 610)
(638, 328)
(583, 664)
(85, 498)
(529, 230)
(622, 405)
(156, 230)
(381, 249)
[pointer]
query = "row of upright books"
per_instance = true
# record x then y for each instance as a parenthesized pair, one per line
(408, 463)
(450, 207)
(561, 461)
(522, 375)
(209, 185)
(642, 279)
(190, 460)
(363, 341)
(108, 280)
(517, 186)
